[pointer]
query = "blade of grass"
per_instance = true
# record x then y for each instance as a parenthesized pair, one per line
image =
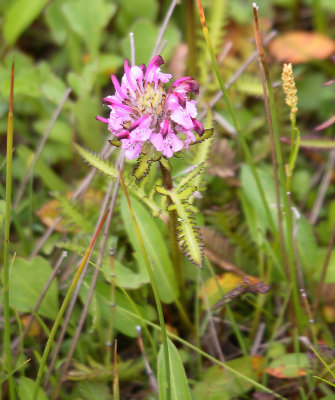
(7, 349)
(154, 288)
(230, 314)
(232, 113)
(288, 256)
(63, 307)
(116, 391)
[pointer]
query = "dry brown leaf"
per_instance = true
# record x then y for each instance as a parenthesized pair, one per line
(301, 46)
(50, 210)
(35, 329)
(222, 161)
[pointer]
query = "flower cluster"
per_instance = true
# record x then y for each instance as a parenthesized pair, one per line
(142, 111)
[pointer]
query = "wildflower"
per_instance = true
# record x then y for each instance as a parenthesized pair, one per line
(144, 116)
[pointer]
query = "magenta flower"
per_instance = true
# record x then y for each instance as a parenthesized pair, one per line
(142, 111)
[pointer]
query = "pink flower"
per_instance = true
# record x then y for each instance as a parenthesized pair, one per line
(141, 110)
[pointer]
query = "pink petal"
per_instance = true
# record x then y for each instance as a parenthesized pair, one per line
(165, 127)
(152, 68)
(102, 119)
(171, 144)
(181, 117)
(153, 73)
(198, 127)
(157, 141)
(189, 138)
(175, 100)
(129, 77)
(191, 108)
(132, 148)
(184, 85)
(117, 87)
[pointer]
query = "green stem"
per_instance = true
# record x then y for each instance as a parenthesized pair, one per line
(154, 289)
(110, 329)
(279, 168)
(233, 116)
(7, 349)
(173, 222)
(63, 307)
(191, 37)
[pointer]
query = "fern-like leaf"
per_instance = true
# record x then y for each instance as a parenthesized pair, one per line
(250, 85)
(97, 162)
(188, 232)
(72, 216)
(144, 162)
(186, 180)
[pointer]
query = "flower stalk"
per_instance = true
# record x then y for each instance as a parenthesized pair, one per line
(154, 289)
(173, 234)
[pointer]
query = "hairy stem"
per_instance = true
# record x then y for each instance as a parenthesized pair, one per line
(155, 291)
(173, 222)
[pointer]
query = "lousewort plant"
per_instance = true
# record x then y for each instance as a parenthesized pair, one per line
(152, 124)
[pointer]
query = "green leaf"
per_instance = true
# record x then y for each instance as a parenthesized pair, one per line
(97, 162)
(218, 383)
(85, 110)
(144, 162)
(187, 193)
(208, 133)
(26, 388)
(41, 169)
(56, 21)
(179, 384)
(124, 276)
(156, 248)
(198, 169)
(26, 282)
(88, 19)
(21, 14)
(188, 235)
(123, 321)
(87, 390)
(289, 366)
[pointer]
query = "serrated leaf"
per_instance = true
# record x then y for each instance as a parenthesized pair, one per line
(162, 190)
(144, 162)
(187, 193)
(97, 162)
(208, 133)
(191, 175)
(188, 234)
(115, 143)
(166, 163)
